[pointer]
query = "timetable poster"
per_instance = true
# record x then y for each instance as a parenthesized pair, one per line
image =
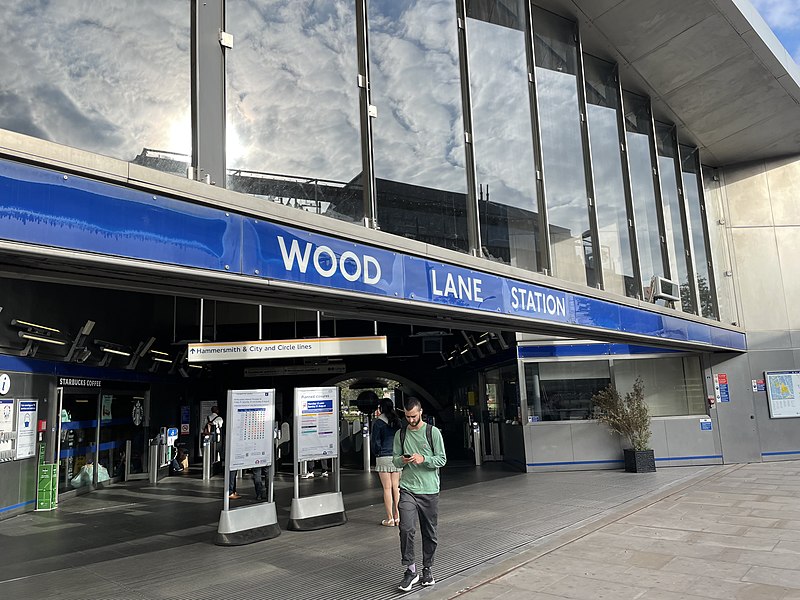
(251, 420)
(316, 422)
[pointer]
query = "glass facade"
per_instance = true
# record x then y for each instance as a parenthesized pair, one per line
(563, 390)
(673, 386)
(514, 167)
(502, 132)
(638, 127)
(677, 245)
(562, 148)
(692, 182)
(307, 101)
(602, 110)
(418, 133)
(726, 304)
(71, 84)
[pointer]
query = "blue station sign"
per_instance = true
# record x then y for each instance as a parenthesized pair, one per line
(46, 208)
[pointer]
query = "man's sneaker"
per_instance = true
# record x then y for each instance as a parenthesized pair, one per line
(409, 579)
(427, 577)
(309, 475)
(324, 473)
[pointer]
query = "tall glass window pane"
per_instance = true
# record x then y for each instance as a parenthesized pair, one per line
(602, 105)
(672, 386)
(719, 248)
(67, 80)
(638, 133)
(419, 131)
(502, 134)
(677, 246)
(562, 391)
(562, 148)
(293, 121)
(697, 225)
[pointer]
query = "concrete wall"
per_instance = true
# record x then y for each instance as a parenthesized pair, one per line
(760, 206)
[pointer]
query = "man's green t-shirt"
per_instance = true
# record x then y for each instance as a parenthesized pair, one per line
(423, 478)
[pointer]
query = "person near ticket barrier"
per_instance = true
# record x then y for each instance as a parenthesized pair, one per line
(213, 427)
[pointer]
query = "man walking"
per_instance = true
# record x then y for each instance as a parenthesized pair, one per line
(419, 450)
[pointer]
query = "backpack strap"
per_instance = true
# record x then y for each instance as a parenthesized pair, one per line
(428, 434)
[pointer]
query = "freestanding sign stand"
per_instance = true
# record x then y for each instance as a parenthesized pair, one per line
(316, 436)
(249, 442)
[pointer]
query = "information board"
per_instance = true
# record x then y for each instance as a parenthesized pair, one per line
(782, 393)
(316, 423)
(250, 423)
(26, 428)
(6, 424)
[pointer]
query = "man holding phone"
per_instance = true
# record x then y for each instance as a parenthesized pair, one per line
(419, 451)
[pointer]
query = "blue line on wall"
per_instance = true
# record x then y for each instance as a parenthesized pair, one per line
(710, 456)
(15, 506)
(597, 462)
(574, 462)
(780, 453)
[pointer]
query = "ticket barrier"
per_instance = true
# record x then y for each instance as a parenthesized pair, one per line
(207, 452)
(155, 469)
(161, 452)
(366, 446)
(476, 443)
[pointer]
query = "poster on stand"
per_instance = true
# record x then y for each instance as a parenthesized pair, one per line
(26, 428)
(251, 421)
(316, 422)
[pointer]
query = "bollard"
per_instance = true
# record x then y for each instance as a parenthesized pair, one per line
(366, 445)
(476, 443)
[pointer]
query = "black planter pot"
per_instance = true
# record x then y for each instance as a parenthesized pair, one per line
(639, 461)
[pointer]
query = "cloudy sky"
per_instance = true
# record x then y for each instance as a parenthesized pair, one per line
(783, 16)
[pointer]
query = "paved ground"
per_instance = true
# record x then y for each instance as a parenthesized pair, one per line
(733, 534)
(688, 532)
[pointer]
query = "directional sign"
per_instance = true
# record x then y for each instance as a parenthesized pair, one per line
(302, 348)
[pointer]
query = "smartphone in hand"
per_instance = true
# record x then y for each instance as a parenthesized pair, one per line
(406, 456)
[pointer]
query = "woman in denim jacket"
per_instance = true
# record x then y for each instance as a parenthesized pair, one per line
(384, 427)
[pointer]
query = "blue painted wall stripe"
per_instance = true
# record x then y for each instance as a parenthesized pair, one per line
(620, 461)
(15, 506)
(783, 453)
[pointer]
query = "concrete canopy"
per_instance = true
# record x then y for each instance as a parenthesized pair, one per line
(713, 67)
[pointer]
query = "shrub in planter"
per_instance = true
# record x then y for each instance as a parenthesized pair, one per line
(629, 417)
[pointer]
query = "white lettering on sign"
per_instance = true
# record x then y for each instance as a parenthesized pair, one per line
(460, 287)
(324, 261)
(540, 302)
(71, 381)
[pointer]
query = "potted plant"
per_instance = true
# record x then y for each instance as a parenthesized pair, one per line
(629, 417)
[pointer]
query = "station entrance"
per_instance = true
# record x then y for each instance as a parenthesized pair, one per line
(115, 369)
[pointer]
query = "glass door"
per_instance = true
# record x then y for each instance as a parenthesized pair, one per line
(77, 454)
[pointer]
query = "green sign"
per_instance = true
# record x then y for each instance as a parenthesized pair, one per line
(47, 490)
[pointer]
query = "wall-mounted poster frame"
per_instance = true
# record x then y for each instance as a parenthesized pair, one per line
(783, 393)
